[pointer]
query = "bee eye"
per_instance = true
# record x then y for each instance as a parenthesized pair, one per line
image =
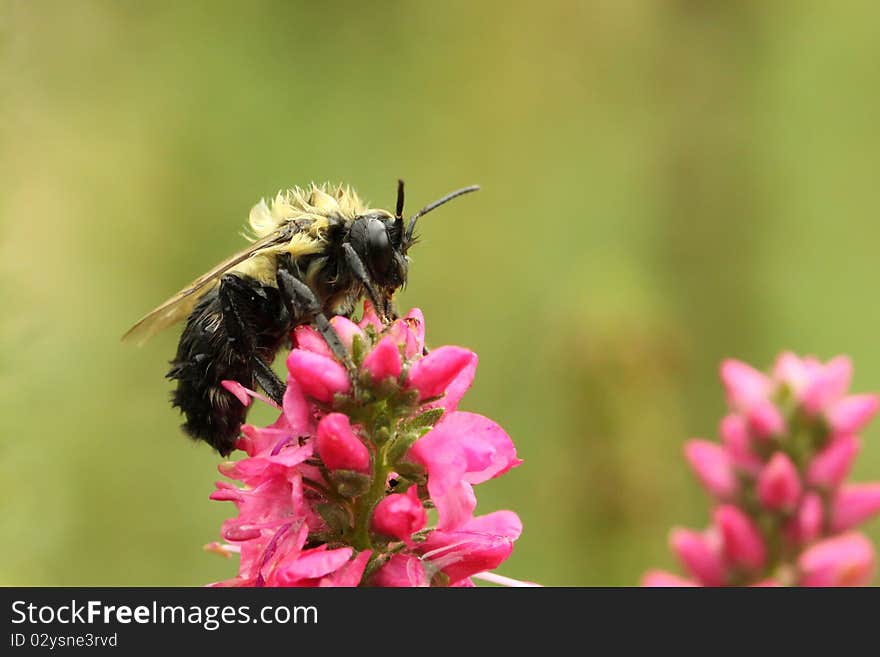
(379, 250)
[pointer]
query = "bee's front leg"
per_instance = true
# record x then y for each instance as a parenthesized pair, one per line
(303, 307)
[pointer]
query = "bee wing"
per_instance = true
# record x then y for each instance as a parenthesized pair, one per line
(181, 304)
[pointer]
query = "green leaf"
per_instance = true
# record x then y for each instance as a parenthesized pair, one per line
(400, 446)
(424, 420)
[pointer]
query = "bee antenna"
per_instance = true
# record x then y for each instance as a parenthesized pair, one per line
(399, 211)
(433, 206)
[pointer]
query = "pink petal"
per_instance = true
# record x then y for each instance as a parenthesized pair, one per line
(828, 385)
(297, 411)
(779, 485)
(434, 373)
(831, 466)
(312, 564)
(350, 574)
(306, 337)
(851, 414)
(744, 384)
(662, 579)
(338, 445)
(240, 392)
(700, 554)
(854, 504)
(481, 544)
(712, 466)
(401, 570)
(846, 560)
(319, 376)
(742, 541)
(383, 361)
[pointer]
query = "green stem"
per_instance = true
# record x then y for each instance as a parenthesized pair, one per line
(363, 508)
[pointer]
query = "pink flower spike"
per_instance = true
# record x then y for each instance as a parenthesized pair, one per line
(779, 486)
(700, 554)
(806, 526)
(400, 515)
(827, 385)
(435, 372)
(831, 466)
(846, 560)
(765, 419)
(339, 447)
(662, 579)
(346, 330)
(383, 362)
(306, 337)
(319, 376)
(741, 539)
(401, 570)
(744, 384)
(712, 466)
(854, 504)
(851, 414)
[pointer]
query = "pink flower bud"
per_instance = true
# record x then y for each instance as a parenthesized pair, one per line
(741, 539)
(383, 361)
(854, 504)
(831, 466)
(827, 385)
(700, 554)
(662, 579)
(346, 330)
(339, 447)
(306, 337)
(432, 374)
(852, 413)
(320, 377)
(806, 526)
(737, 443)
(744, 384)
(765, 420)
(792, 371)
(401, 570)
(712, 466)
(779, 486)
(400, 515)
(846, 560)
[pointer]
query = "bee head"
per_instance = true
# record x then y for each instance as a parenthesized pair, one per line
(382, 240)
(376, 239)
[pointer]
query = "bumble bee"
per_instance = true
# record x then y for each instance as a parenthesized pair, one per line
(315, 252)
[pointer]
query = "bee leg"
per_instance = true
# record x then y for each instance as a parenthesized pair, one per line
(353, 260)
(304, 307)
(269, 381)
(235, 297)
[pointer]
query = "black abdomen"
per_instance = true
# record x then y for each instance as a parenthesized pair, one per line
(215, 347)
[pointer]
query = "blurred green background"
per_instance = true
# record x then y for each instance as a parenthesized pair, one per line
(664, 184)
